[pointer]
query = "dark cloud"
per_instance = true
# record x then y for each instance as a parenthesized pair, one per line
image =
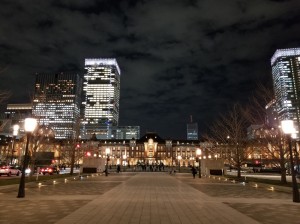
(178, 58)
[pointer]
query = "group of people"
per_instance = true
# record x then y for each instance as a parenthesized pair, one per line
(161, 168)
(151, 167)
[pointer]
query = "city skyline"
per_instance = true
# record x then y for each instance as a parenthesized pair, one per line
(177, 58)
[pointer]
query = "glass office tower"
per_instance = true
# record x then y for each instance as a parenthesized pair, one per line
(56, 103)
(126, 132)
(101, 88)
(192, 131)
(286, 81)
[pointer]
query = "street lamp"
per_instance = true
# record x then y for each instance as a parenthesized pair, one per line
(30, 125)
(15, 133)
(289, 129)
(124, 161)
(198, 152)
(107, 151)
(179, 158)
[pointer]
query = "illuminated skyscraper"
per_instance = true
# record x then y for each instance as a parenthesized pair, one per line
(101, 88)
(286, 81)
(126, 132)
(57, 103)
(192, 130)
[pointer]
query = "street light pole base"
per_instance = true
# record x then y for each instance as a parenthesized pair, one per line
(21, 193)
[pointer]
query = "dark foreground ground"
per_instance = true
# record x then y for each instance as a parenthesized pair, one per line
(147, 198)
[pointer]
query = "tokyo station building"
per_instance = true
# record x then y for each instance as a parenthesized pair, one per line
(150, 149)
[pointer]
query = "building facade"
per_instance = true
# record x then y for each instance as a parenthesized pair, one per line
(286, 81)
(101, 88)
(18, 112)
(150, 149)
(56, 103)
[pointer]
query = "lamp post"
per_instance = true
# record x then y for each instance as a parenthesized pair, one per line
(289, 129)
(107, 151)
(297, 159)
(15, 133)
(124, 162)
(30, 125)
(198, 152)
(179, 158)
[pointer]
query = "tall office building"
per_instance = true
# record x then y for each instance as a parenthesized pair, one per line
(57, 103)
(192, 130)
(126, 132)
(101, 88)
(286, 81)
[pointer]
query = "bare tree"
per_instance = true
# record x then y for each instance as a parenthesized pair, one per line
(66, 151)
(4, 95)
(268, 138)
(230, 130)
(76, 139)
(273, 146)
(41, 141)
(261, 97)
(70, 148)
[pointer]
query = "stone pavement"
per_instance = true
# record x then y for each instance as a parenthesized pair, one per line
(147, 198)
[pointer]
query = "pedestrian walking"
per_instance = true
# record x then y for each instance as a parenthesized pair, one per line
(194, 172)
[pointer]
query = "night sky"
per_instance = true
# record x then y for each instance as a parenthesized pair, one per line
(177, 57)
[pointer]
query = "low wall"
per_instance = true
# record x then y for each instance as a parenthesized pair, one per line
(212, 167)
(93, 165)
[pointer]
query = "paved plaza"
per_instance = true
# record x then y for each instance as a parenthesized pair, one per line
(149, 197)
